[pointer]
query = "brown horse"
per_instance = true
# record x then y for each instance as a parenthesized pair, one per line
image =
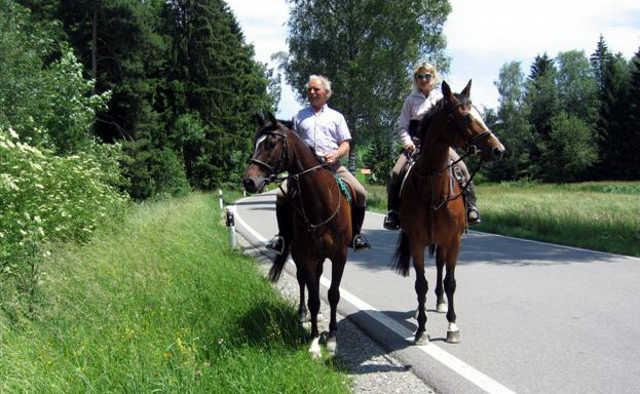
(432, 208)
(322, 225)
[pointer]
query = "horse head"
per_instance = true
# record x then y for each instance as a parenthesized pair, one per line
(270, 154)
(472, 133)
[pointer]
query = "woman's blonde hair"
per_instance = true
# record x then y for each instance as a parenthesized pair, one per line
(428, 67)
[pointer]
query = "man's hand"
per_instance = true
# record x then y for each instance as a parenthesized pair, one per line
(331, 157)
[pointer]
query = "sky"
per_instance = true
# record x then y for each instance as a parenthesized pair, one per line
(482, 36)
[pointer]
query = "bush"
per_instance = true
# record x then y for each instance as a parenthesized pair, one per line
(46, 198)
(380, 158)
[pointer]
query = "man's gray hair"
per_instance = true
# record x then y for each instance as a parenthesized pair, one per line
(326, 84)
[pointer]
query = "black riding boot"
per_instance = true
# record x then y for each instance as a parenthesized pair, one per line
(359, 242)
(392, 220)
(285, 226)
(473, 215)
(282, 241)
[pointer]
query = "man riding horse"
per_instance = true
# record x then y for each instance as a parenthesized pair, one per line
(325, 131)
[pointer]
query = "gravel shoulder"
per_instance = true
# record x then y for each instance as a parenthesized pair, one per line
(369, 366)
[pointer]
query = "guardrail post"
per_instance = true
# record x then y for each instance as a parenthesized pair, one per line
(232, 228)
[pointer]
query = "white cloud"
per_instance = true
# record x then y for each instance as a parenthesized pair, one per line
(482, 35)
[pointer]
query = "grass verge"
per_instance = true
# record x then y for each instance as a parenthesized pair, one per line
(160, 303)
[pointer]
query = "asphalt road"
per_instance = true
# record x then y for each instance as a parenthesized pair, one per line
(534, 317)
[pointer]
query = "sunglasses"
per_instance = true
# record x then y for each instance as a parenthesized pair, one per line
(424, 76)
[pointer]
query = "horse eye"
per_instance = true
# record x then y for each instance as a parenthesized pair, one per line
(270, 144)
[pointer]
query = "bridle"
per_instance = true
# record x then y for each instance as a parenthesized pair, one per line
(284, 154)
(280, 167)
(470, 148)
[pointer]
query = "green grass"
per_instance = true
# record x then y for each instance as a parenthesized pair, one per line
(601, 216)
(160, 303)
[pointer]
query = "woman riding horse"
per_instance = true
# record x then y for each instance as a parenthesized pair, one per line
(433, 213)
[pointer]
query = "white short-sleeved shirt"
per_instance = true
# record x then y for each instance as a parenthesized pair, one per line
(415, 106)
(323, 131)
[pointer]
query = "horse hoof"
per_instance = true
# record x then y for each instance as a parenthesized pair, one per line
(453, 336)
(332, 345)
(314, 350)
(315, 354)
(442, 308)
(421, 339)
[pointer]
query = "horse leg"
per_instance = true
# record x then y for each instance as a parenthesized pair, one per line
(421, 287)
(334, 297)
(313, 285)
(441, 305)
(453, 333)
(303, 312)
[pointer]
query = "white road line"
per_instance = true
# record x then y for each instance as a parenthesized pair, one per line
(455, 364)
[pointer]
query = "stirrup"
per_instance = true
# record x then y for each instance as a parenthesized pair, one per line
(473, 216)
(392, 220)
(277, 245)
(360, 243)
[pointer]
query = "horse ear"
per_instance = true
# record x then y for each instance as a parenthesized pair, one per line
(272, 119)
(467, 90)
(260, 119)
(446, 91)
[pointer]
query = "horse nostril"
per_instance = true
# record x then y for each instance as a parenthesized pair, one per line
(497, 152)
(249, 185)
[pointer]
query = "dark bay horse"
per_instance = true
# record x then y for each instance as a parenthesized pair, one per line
(432, 208)
(322, 226)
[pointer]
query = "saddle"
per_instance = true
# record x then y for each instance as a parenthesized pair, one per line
(455, 173)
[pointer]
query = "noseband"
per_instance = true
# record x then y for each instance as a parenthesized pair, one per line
(284, 154)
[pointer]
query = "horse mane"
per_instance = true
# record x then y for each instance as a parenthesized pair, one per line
(288, 124)
(429, 115)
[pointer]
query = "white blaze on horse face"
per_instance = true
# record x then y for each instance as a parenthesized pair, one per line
(260, 140)
(475, 114)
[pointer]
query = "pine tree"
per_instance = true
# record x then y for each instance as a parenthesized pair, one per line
(213, 75)
(613, 77)
(542, 103)
(632, 125)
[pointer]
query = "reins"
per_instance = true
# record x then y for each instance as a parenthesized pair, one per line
(470, 148)
(273, 178)
(300, 206)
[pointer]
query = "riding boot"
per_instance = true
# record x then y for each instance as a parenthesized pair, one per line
(473, 215)
(359, 242)
(281, 241)
(392, 220)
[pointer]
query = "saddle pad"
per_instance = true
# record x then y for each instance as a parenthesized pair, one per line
(344, 188)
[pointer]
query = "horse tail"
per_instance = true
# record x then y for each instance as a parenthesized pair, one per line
(401, 259)
(278, 265)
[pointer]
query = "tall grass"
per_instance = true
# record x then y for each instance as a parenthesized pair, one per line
(160, 304)
(599, 216)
